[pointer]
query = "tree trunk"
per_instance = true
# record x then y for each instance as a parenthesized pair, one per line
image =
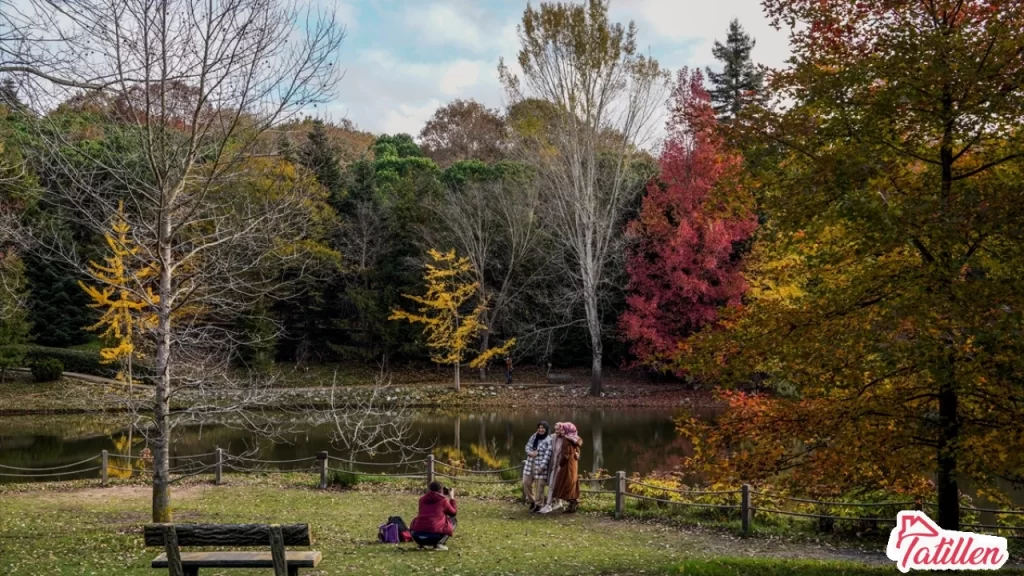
(597, 443)
(949, 419)
(458, 384)
(594, 327)
(485, 340)
(949, 432)
(458, 432)
(161, 404)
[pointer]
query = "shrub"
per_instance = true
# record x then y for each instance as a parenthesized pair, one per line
(10, 357)
(343, 479)
(47, 369)
(83, 361)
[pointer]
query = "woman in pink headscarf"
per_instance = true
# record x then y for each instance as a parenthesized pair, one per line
(565, 481)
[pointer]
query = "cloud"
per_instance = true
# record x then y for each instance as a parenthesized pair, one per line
(686, 31)
(397, 75)
(382, 92)
(443, 24)
(460, 75)
(408, 118)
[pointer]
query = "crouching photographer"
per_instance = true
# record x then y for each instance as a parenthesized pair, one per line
(435, 523)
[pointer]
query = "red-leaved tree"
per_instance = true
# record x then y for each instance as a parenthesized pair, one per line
(683, 265)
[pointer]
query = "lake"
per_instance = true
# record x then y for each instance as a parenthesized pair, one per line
(633, 440)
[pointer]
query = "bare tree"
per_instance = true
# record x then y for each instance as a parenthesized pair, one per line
(192, 85)
(606, 95)
(494, 222)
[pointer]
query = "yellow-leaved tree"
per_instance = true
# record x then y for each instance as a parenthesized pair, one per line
(128, 303)
(449, 331)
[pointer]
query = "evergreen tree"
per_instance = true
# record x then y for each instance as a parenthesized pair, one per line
(288, 149)
(58, 308)
(318, 155)
(739, 77)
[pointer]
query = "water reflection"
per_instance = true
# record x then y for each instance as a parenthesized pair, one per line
(631, 440)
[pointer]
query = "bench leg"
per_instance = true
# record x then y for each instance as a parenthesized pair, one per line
(190, 570)
(293, 571)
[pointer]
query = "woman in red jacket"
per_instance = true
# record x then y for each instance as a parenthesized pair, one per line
(435, 522)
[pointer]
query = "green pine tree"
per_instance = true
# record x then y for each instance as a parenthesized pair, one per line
(739, 78)
(288, 149)
(321, 158)
(58, 308)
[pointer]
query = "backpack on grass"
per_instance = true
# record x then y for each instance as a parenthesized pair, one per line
(394, 531)
(388, 533)
(404, 535)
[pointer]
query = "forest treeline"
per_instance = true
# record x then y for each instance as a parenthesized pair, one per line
(374, 204)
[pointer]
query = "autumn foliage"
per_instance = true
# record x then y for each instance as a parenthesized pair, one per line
(684, 265)
(450, 322)
(885, 303)
(124, 295)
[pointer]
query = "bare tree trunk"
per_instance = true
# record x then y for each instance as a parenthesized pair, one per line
(485, 340)
(458, 432)
(597, 442)
(161, 406)
(458, 384)
(594, 327)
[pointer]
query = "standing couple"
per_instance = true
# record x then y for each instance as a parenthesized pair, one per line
(553, 460)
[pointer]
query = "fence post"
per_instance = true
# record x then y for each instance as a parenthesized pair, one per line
(103, 468)
(430, 469)
(322, 457)
(220, 464)
(745, 512)
(620, 493)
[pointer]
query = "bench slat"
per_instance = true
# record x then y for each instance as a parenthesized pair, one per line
(240, 560)
(228, 534)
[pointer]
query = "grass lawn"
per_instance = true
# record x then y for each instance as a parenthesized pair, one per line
(70, 529)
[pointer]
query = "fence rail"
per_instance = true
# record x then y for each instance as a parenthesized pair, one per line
(624, 488)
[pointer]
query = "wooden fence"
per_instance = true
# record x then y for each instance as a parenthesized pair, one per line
(623, 488)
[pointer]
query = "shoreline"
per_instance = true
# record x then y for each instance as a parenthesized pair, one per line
(71, 397)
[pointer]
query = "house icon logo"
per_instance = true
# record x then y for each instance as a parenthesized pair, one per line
(918, 543)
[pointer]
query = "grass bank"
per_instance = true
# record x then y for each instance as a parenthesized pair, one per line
(71, 529)
(20, 395)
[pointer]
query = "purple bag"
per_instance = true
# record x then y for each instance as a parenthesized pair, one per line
(388, 533)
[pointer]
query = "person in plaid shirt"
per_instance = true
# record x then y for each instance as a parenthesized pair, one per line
(535, 471)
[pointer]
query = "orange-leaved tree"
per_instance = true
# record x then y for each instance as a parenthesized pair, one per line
(885, 295)
(450, 328)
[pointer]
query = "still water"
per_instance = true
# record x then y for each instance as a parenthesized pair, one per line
(635, 440)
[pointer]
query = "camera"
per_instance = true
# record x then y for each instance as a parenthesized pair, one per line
(446, 491)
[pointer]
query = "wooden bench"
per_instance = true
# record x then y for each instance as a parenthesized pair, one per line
(556, 377)
(273, 536)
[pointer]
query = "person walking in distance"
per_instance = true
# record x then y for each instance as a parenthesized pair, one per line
(535, 471)
(508, 370)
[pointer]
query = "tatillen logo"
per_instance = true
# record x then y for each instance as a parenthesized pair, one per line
(917, 542)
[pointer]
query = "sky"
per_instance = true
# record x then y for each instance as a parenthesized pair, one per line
(405, 58)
